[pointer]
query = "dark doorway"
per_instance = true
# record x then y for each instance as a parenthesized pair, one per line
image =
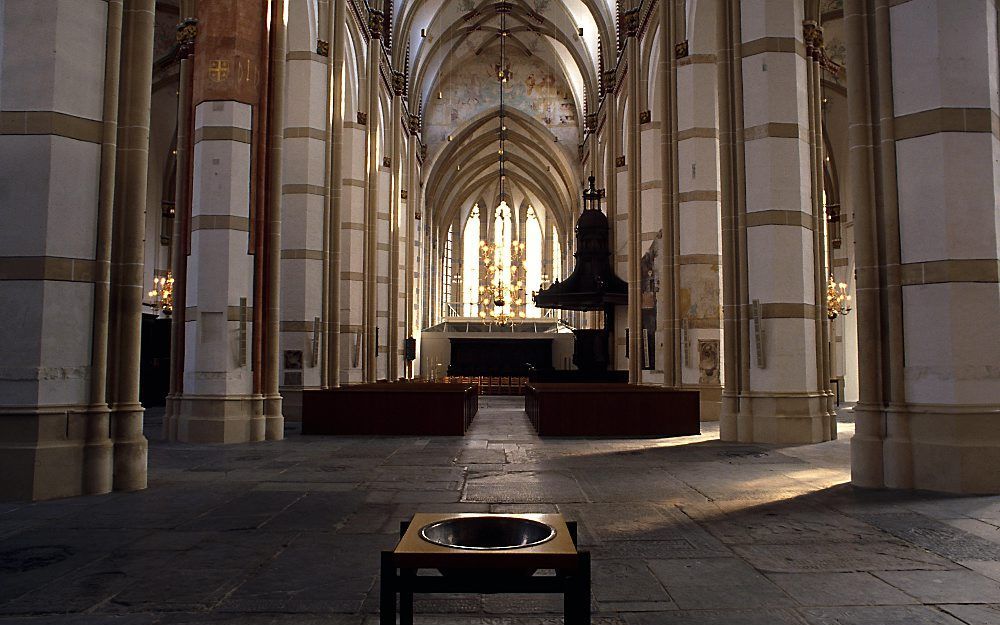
(154, 361)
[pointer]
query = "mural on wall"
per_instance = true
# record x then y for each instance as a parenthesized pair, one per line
(698, 295)
(649, 269)
(535, 89)
(708, 361)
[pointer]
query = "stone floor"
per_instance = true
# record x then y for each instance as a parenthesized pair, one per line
(683, 531)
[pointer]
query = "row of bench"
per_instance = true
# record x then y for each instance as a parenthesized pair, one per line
(447, 409)
(492, 384)
(612, 410)
(410, 408)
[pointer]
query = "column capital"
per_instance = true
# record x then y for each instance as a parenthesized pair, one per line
(376, 23)
(187, 33)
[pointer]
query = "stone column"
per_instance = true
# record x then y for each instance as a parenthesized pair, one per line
(769, 222)
(924, 174)
(633, 196)
(412, 235)
(370, 326)
(698, 329)
(53, 121)
(335, 196)
(127, 286)
(186, 35)
(395, 129)
(668, 360)
(219, 404)
(305, 186)
(611, 206)
(274, 421)
(98, 453)
(813, 36)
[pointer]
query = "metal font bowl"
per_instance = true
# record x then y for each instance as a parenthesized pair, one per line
(487, 533)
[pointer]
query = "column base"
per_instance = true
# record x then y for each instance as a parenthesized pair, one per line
(218, 419)
(131, 448)
(42, 452)
(867, 447)
(711, 402)
(786, 418)
(274, 422)
(170, 418)
(944, 448)
(98, 452)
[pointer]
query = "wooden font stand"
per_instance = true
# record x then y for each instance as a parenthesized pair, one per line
(485, 571)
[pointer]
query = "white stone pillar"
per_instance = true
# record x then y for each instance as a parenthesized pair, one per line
(927, 243)
(699, 252)
(303, 217)
(779, 397)
(220, 403)
(52, 71)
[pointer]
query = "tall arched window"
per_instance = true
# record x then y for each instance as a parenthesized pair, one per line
(470, 264)
(532, 261)
(446, 279)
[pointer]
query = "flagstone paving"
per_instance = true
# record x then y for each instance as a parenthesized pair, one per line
(686, 531)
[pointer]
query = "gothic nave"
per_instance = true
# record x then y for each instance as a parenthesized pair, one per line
(263, 262)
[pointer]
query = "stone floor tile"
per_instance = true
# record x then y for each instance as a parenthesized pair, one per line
(696, 584)
(988, 569)
(625, 580)
(944, 586)
(839, 589)
(882, 615)
(975, 614)
(840, 557)
(937, 536)
(715, 617)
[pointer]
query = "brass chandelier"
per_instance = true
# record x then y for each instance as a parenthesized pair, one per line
(838, 302)
(162, 294)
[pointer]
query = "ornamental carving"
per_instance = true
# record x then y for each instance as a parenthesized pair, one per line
(376, 23)
(187, 32)
(630, 23)
(399, 84)
(362, 118)
(620, 161)
(322, 48)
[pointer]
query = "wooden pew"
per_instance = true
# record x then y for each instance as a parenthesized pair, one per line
(612, 410)
(390, 409)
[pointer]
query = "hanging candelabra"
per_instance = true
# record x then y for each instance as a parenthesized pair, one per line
(838, 302)
(162, 294)
(501, 299)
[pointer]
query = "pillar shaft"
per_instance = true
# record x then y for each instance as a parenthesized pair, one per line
(335, 194)
(924, 170)
(55, 115)
(181, 239)
(220, 403)
(373, 168)
(127, 287)
(633, 206)
(774, 393)
(274, 422)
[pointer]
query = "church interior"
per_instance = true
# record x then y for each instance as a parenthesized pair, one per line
(333, 311)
